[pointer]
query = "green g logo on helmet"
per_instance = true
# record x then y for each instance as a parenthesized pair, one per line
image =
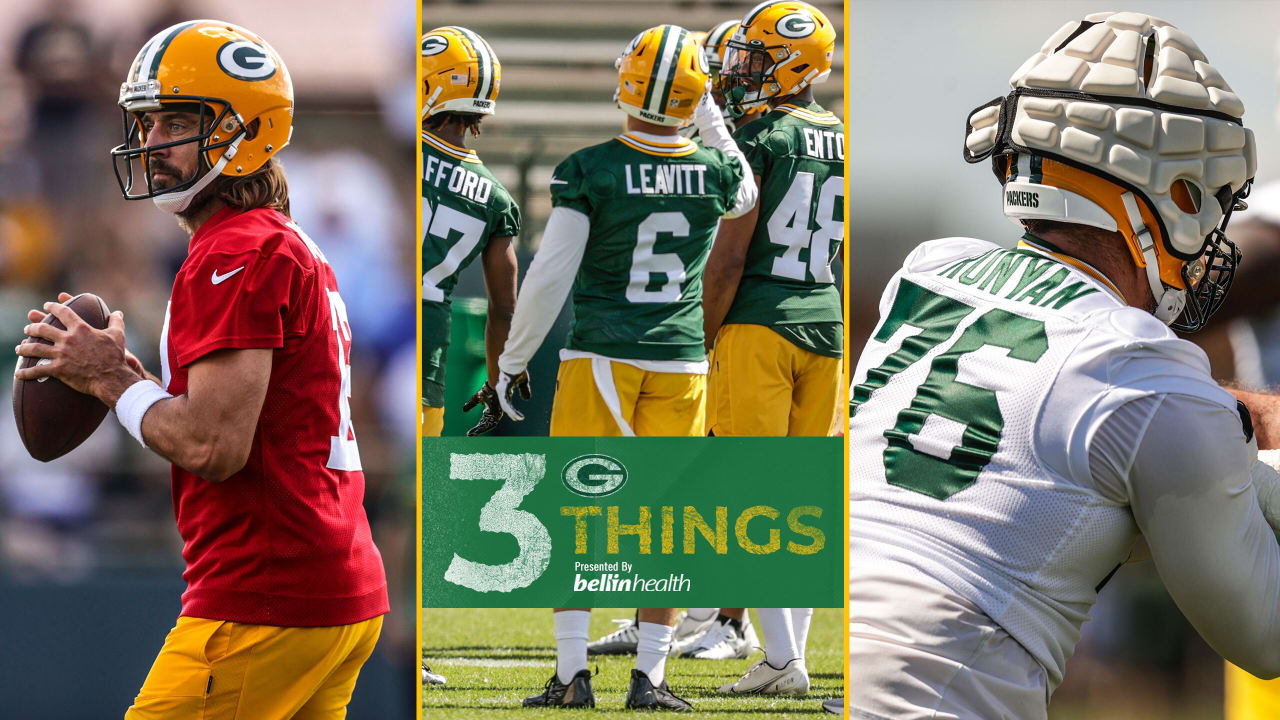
(796, 25)
(434, 45)
(594, 475)
(244, 60)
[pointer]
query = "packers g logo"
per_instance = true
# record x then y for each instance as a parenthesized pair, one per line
(594, 475)
(244, 60)
(796, 25)
(434, 45)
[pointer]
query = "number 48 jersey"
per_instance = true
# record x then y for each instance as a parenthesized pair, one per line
(787, 283)
(972, 410)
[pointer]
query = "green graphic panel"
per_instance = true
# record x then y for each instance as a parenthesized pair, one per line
(642, 522)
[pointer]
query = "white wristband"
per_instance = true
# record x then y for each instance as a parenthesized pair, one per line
(134, 403)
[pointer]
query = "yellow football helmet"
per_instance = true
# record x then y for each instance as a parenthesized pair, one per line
(713, 46)
(232, 78)
(460, 73)
(661, 76)
(781, 48)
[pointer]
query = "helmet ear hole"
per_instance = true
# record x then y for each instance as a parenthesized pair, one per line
(1187, 196)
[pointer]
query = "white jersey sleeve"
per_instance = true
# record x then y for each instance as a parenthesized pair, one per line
(1184, 465)
(546, 286)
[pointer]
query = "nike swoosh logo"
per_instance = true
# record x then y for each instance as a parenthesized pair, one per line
(217, 279)
(558, 181)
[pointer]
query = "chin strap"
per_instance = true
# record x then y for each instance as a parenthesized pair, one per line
(1169, 301)
(176, 202)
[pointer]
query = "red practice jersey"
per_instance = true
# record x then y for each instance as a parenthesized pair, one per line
(285, 540)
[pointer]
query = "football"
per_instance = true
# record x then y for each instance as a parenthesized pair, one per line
(52, 418)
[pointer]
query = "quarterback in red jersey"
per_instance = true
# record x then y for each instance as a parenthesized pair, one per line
(285, 587)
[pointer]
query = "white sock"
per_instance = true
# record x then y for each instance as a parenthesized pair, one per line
(571, 642)
(800, 619)
(703, 614)
(651, 650)
(779, 636)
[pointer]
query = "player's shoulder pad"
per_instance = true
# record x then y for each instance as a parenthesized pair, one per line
(936, 254)
(1146, 355)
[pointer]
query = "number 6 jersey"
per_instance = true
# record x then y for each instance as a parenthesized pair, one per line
(972, 412)
(284, 541)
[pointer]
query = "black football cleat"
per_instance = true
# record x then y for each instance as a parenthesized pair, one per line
(644, 695)
(576, 694)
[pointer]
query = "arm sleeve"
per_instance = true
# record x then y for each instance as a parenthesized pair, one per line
(546, 286)
(1191, 489)
(714, 133)
(246, 308)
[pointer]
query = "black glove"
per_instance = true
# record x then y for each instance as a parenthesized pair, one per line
(492, 414)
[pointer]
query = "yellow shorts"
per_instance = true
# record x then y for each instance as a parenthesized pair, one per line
(763, 385)
(598, 397)
(1249, 698)
(432, 421)
(214, 669)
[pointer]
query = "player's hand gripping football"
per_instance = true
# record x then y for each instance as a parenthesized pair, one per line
(508, 384)
(492, 414)
(132, 360)
(86, 359)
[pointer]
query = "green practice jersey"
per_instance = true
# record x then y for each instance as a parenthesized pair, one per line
(463, 206)
(787, 282)
(653, 211)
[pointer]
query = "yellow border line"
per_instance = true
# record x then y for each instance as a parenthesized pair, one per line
(417, 332)
(848, 366)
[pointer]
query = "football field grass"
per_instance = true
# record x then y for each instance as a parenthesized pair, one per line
(493, 659)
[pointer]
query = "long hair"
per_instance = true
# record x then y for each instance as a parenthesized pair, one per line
(266, 187)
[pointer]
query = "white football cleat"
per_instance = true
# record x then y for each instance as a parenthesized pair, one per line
(688, 632)
(430, 678)
(622, 641)
(765, 679)
(722, 642)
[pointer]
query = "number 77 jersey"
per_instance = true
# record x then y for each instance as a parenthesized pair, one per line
(973, 407)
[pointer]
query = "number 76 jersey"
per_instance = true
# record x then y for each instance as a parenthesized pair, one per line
(971, 413)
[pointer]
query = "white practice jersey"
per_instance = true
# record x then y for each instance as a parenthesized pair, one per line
(972, 412)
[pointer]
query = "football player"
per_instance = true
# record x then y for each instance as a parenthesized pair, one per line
(466, 213)
(285, 587)
(1022, 417)
(729, 634)
(632, 222)
(772, 312)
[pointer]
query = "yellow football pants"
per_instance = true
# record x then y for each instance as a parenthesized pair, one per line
(1249, 698)
(597, 397)
(762, 385)
(432, 421)
(219, 670)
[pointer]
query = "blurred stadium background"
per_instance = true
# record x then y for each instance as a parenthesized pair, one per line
(557, 89)
(922, 66)
(90, 571)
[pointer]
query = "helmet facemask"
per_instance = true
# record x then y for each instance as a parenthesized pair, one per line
(748, 72)
(219, 132)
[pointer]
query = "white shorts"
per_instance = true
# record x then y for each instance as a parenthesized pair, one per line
(917, 650)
